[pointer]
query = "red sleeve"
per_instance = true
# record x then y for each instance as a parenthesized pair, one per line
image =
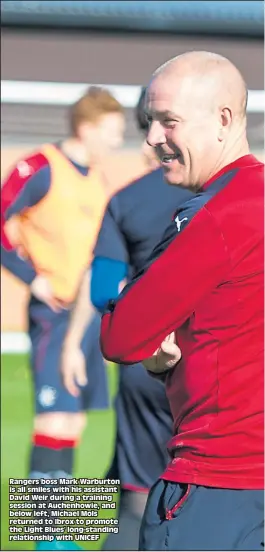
(14, 193)
(164, 297)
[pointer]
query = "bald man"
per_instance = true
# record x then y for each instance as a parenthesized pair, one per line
(202, 319)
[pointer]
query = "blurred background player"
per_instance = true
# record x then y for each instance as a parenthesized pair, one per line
(52, 206)
(134, 222)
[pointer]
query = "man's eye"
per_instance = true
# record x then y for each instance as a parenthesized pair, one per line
(169, 122)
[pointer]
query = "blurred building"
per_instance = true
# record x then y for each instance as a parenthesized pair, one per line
(117, 43)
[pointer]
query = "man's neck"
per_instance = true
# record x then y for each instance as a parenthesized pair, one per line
(229, 155)
(76, 151)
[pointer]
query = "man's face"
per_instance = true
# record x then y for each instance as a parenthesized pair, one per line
(103, 136)
(183, 131)
(111, 130)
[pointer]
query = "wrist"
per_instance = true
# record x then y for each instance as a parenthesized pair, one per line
(35, 279)
(71, 342)
(32, 278)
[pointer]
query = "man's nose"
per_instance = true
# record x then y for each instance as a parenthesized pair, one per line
(156, 135)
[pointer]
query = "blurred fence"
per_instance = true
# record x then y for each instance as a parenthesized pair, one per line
(63, 93)
(33, 112)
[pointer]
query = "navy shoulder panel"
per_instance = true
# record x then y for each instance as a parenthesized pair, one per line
(33, 192)
(186, 213)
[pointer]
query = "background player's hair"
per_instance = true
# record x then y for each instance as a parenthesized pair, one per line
(140, 115)
(91, 106)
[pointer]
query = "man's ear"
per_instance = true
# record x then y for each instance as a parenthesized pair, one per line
(225, 122)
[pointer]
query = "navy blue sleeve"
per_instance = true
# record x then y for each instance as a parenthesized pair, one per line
(17, 266)
(26, 186)
(106, 277)
(111, 242)
(31, 193)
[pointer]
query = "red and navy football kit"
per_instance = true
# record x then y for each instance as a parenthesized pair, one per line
(27, 187)
(205, 281)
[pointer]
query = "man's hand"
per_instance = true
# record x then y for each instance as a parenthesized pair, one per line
(41, 289)
(165, 357)
(73, 369)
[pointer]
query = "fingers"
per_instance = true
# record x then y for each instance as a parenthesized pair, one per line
(170, 338)
(81, 377)
(167, 356)
(170, 349)
(170, 355)
(54, 305)
(73, 373)
(70, 384)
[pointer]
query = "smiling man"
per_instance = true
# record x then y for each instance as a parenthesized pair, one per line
(204, 284)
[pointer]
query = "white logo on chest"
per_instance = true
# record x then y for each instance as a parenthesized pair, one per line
(179, 222)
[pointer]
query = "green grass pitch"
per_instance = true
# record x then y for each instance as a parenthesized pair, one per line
(16, 425)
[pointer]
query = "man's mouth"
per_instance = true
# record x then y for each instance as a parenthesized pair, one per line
(168, 158)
